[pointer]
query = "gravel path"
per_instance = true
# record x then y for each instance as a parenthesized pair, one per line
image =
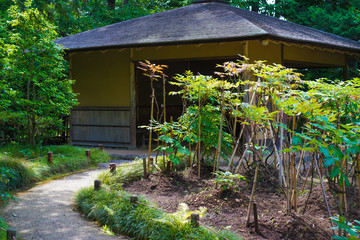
(46, 212)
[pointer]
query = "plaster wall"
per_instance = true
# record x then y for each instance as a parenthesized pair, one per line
(102, 77)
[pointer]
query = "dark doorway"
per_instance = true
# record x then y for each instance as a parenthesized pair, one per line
(173, 103)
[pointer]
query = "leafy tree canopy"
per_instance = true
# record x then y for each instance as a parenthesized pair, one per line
(341, 17)
(34, 90)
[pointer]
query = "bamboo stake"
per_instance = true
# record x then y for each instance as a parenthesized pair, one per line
(244, 153)
(172, 137)
(190, 160)
(218, 148)
(281, 170)
(358, 172)
(276, 152)
(238, 142)
(164, 98)
(344, 187)
(307, 174)
(288, 187)
(324, 194)
(235, 149)
(294, 170)
(151, 119)
(252, 195)
(199, 142)
(164, 106)
(298, 169)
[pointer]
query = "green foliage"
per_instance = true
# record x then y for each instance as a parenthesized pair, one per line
(76, 16)
(139, 221)
(5, 176)
(4, 226)
(204, 92)
(351, 230)
(124, 173)
(227, 180)
(338, 17)
(35, 90)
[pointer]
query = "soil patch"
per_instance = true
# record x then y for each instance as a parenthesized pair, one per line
(229, 209)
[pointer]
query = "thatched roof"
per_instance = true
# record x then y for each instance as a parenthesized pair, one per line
(206, 21)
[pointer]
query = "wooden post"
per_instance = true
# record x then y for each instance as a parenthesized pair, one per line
(11, 233)
(145, 171)
(101, 148)
(195, 220)
(50, 157)
(97, 185)
(256, 218)
(87, 153)
(133, 199)
(112, 167)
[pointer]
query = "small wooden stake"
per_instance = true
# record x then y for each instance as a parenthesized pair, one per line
(50, 157)
(97, 185)
(11, 233)
(145, 171)
(195, 220)
(112, 167)
(133, 199)
(256, 218)
(87, 153)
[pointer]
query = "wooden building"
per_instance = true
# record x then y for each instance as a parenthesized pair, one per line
(114, 97)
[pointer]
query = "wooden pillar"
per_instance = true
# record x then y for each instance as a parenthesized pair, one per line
(71, 137)
(97, 185)
(112, 167)
(133, 199)
(345, 72)
(132, 101)
(195, 220)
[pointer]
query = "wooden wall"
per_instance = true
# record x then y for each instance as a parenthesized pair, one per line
(106, 125)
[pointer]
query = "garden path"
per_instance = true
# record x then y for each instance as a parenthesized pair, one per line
(47, 211)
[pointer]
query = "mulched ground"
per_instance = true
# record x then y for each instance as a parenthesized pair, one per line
(229, 209)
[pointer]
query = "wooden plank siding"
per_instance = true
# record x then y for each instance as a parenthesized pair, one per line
(109, 126)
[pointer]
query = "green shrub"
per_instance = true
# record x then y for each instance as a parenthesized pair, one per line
(136, 220)
(4, 226)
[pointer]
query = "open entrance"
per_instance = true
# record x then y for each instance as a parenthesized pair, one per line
(174, 107)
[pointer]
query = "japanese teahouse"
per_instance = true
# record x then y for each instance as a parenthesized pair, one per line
(115, 97)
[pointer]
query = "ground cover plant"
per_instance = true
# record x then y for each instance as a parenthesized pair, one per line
(22, 165)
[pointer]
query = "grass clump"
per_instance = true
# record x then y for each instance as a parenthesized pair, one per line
(139, 221)
(15, 174)
(125, 173)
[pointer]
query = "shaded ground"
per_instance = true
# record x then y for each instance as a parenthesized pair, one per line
(230, 209)
(46, 211)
